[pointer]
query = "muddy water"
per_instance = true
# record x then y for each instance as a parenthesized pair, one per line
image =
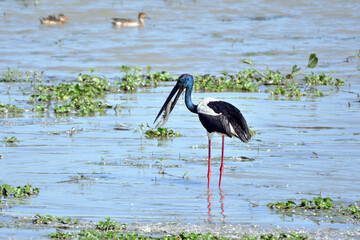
(305, 148)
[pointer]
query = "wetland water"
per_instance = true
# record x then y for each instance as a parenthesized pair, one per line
(305, 148)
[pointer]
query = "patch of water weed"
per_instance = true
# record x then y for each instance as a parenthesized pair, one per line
(134, 78)
(319, 207)
(351, 210)
(48, 219)
(18, 192)
(161, 133)
(13, 75)
(10, 110)
(80, 178)
(323, 79)
(244, 81)
(316, 204)
(82, 107)
(10, 140)
(279, 236)
(111, 234)
(110, 225)
(75, 97)
(285, 85)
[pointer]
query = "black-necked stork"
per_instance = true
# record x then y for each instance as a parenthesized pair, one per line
(216, 117)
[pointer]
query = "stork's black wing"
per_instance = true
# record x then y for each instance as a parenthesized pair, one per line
(228, 120)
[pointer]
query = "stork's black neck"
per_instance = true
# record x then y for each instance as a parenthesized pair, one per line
(189, 104)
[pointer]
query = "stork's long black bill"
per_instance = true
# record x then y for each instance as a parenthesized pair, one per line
(168, 105)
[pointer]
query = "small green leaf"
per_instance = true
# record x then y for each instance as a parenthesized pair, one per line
(313, 60)
(247, 61)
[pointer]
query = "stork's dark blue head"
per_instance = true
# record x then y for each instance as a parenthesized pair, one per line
(185, 81)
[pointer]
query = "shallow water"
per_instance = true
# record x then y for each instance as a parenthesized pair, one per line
(305, 147)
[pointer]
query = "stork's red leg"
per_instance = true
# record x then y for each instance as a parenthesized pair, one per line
(209, 165)
(222, 161)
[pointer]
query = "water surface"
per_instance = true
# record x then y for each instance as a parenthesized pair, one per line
(306, 148)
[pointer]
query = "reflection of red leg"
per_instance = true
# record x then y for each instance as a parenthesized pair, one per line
(209, 165)
(209, 204)
(222, 197)
(222, 161)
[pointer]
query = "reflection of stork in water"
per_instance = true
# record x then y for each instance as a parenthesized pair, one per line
(222, 205)
(216, 117)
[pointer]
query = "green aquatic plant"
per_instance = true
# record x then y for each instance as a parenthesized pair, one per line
(289, 90)
(322, 203)
(312, 63)
(161, 133)
(10, 140)
(82, 107)
(10, 108)
(283, 236)
(75, 97)
(282, 205)
(243, 81)
(110, 225)
(113, 234)
(134, 78)
(351, 210)
(47, 219)
(318, 203)
(323, 79)
(18, 192)
(62, 235)
(161, 164)
(13, 75)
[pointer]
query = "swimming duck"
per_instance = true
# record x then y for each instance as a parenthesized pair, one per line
(123, 22)
(51, 19)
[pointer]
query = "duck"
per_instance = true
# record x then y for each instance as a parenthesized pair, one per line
(51, 19)
(124, 22)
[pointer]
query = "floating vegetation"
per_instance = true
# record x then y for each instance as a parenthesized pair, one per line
(279, 236)
(13, 75)
(95, 234)
(315, 204)
(80, 178)
(115, 230)
(161, 133)
(351, 210)
(47, 219)
(250, 80)
(10, 108)
(18, 192)
(323, 79)
(10, 140)
(244, 81)
(110, 225)
(82, 107)
(136, 79)
(323, 207)
(76, 97)
(84, 96)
